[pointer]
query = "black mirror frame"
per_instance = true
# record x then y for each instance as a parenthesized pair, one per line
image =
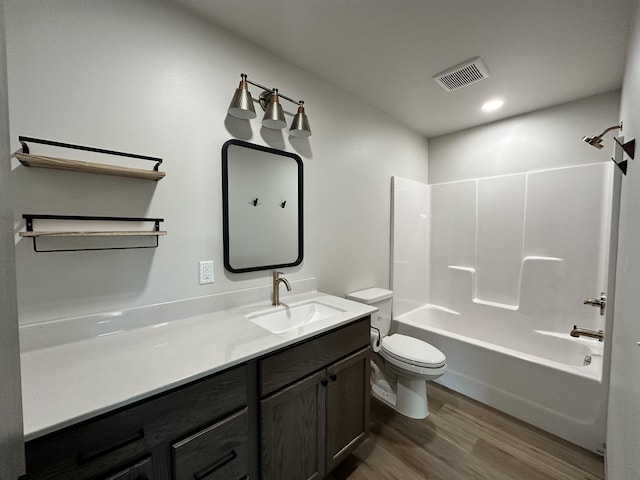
(225, 205)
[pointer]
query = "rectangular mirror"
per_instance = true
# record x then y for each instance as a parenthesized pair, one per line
(262, 207)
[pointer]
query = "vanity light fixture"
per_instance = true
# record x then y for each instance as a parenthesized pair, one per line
(300, 124)
(273, 114)
(242, 103)
(242, 107)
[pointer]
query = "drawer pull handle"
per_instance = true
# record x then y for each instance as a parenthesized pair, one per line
(229, 457)
(324, 382)
(139, 435)
(333, 377)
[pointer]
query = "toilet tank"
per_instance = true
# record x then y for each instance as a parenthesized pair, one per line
(381, 299)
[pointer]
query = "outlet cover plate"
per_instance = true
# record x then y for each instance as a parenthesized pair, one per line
(206, 272)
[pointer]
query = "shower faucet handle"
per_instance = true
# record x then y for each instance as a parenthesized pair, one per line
(594, 302)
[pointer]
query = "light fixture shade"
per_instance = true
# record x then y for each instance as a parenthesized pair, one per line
(274, 115)
(242, 104)
(300, 124)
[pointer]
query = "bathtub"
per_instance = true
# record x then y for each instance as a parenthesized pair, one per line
(547, 379)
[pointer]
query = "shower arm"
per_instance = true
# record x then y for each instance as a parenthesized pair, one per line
(607, 130)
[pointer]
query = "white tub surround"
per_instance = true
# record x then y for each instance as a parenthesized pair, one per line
(510, 260)
(130, 355)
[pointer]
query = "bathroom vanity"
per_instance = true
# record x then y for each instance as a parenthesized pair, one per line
(142, 440)
(314, 404)
(277, 406)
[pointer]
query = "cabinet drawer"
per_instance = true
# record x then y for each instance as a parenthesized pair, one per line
(140, 471)
(218, 452)
(286, 367)
(101, 445)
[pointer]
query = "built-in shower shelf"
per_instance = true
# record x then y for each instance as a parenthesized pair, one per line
(40, 161)
(488, 303)
(472, 275)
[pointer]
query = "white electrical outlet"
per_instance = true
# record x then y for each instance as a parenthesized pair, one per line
(206, 272)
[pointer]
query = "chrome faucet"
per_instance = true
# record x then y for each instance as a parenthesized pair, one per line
(594, 302)
(583, 332)
(277, 280)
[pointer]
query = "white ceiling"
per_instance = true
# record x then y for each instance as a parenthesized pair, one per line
(384, 52)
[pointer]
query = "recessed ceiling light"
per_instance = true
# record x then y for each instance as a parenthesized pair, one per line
(492, 105)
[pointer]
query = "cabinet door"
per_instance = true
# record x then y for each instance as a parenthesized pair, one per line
(347, 406)
(292, 431)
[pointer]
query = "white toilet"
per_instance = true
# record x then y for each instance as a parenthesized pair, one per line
(401, 366)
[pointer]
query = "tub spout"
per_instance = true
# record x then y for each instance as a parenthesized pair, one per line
(583, 332)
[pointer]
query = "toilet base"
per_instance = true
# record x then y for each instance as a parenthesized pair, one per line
(409, 397)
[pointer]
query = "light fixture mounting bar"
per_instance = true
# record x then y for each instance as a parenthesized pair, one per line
(266, 89)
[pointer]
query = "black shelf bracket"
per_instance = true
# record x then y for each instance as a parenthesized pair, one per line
(25, 149)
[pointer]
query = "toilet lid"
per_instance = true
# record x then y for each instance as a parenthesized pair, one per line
(412, 351)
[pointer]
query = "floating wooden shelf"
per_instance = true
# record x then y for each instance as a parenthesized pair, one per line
(40, 234)
(28, 159)
(40, 161)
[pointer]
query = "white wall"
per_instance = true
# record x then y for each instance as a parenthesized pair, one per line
(11, 437)
(548, 138)
(148, 77)
(623, 431)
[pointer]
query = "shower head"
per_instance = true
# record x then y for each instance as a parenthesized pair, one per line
(593, 141)
(596, 141)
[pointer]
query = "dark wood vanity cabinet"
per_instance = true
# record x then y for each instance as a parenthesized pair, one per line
(196, 429)
(293, 414)
(314, 409)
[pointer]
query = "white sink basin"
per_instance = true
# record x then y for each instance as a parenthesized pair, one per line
(283, 318)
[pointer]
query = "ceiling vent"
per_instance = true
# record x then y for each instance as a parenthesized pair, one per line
(463, 74)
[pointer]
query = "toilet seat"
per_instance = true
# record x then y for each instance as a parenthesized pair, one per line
(412, 351)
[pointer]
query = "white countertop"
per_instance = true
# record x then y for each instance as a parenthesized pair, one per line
(66, 383)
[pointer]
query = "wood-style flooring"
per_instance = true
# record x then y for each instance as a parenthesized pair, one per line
(463, 440)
